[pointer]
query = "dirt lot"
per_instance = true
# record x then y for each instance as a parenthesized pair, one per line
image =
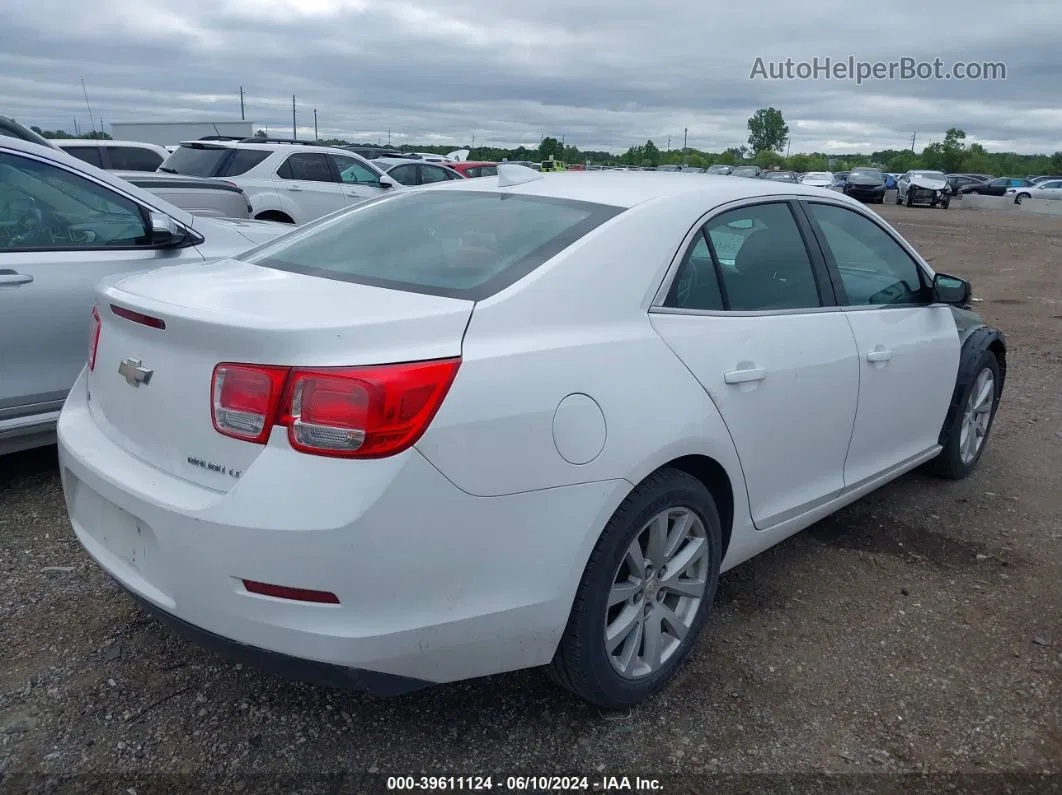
(918, 630)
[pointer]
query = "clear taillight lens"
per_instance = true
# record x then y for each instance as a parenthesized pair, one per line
(244, 400)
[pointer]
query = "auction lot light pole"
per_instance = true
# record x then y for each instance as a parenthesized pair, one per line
(316, 137)
(294, 134)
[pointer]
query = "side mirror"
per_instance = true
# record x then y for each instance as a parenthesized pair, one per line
(388, 181)
(951, 290)
(165, 232)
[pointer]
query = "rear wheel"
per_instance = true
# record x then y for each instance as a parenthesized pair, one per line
(645, 593)
(966, 439)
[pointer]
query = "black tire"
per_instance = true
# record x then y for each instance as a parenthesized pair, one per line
(910, 199)
(1020, 196)
(945, 203)
(949, 463)
(274, 215)
(581, 662)
(899, 199)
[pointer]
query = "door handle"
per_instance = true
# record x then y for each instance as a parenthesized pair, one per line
(879, 355)
(294, 187)
(351, 192)
(10, 278)
(744, 376)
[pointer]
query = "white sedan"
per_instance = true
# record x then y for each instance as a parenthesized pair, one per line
(817, 179)
(1050, 189)
(510, 422)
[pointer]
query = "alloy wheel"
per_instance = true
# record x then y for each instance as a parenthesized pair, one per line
(656, 592)
(977, 416)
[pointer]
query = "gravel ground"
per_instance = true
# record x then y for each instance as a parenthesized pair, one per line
(918, 631)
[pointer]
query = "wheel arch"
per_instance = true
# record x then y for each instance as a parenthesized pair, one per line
(974, 345)
(715, 478)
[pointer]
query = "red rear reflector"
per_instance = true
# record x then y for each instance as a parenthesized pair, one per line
(244, 400)
(137, 317)
(294, 594)
(94, 338)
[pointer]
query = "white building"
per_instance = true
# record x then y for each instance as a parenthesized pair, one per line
(170, 133)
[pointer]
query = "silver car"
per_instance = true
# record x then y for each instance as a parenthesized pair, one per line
(64, 226)
(213, 198)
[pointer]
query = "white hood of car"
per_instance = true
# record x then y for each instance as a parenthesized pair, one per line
(928, 183)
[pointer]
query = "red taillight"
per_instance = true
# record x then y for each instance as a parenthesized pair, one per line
(294, 594)
(138, 317)
(350, 412)
(244, 399)
(94, 338)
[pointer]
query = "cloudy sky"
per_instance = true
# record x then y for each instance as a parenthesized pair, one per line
(601, 74)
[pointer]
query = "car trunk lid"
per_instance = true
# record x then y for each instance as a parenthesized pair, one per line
(150, 388)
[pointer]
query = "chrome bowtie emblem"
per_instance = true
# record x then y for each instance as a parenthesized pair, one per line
(134, 374)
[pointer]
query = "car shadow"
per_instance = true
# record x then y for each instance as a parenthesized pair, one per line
(18, 468)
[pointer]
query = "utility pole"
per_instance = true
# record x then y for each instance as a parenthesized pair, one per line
(669, 143)
(685, 133)
(388, 136)
(77, 132)
(788, 143)
(242, 117)
(294, 129)
(315, 136)
(913, 136)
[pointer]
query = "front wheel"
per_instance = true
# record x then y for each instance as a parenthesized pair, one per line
(945, 203)
(645, 593)
(966, 438)
(910, 199)
(1020, 196)
(899, 198)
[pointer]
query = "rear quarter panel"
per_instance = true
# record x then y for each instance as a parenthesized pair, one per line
(578, 326)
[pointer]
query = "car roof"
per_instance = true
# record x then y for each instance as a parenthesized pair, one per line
(76, 164)
(94, 143)
(470, 163)
(628, 189)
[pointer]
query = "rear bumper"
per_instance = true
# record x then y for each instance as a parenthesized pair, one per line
(434, 585)
(285, 665)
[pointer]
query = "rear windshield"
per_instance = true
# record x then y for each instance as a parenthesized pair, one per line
(195, 161)
(460, 244)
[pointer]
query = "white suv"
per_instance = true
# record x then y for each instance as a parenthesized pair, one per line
(289, 181)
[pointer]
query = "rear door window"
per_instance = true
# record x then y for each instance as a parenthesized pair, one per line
(88, 154)
(133, 158)
(308, 166)
(452, 243)
(404, 175)
(429, 174)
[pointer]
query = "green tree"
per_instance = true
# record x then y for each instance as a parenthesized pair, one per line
(977, 160)
(652, 154)
(550, 146)
(768, 131)
(260, 134)
(768, 159)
